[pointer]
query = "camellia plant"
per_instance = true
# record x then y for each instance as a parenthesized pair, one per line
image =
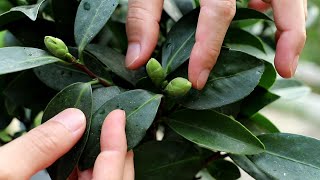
(68, 54)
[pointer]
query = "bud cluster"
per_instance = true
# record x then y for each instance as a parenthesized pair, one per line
(175, 88)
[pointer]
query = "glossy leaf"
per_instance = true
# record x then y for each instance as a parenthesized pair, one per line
(140, 107)
(223, 170)
(298, 161)
(245, 14)
(169, 160)
(257, 100)
(13, 59)
(290, 89)
(27, 91)
(102, 95)
(215, 131)
(234, 77)
(237, 36)
(269, 75)
(259, 124)
(180, 40)
(116, 63)
(78, 96)
(247, 165)
(92, 15)
(19, 12)
(58, 76)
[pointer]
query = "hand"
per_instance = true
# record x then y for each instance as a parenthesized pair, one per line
(214, 20)
(42, 146)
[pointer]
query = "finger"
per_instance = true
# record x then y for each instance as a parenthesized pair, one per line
(41, 146)
(306, 9)
(259, 5)
(129, 167)
(142, 30)
(85, 175)
(214, 20)
(291, 34)
(111, 160)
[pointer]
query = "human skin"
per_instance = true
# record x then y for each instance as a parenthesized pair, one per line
(42, 146)
(214, 20)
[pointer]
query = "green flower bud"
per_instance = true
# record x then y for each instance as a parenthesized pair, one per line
(178, 87)
(56, 46)
(155, 72)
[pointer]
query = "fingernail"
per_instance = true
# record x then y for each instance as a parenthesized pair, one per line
(202, 79)
(133, 53)
(294, 65)
(72, 119)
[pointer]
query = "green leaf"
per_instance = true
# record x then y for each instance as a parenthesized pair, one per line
(169, 160)
(140, 107)
(290, 89)
(58, 76)
(102, 95)
(116, 62)
(237, 37)
(27, 91)
(13, 59)
(215, 131)
(78, 96)
(247, 165)
(19, 12)
(234, 77)
(92, 15)
(246, 13)
(257, 100)
(180, 40)
(5, 119)
(269, 75)
(259, 124)
(296, 161)
(223, 170)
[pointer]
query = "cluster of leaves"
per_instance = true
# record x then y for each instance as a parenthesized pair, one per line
(200, 129)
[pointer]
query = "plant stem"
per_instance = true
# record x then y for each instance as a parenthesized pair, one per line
(83, 68)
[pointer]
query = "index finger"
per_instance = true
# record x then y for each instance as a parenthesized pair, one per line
(110, 162)
(289, 17)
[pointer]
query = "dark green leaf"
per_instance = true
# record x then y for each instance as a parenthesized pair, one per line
(168, 160)
(215, 131)
(16, 13)
(13, 59)
(119, 38)
(290, 89)
(237, 36)
(140, 107)
(5, 119)
(57, 76)
(247, 165)
(78, 96)
(116, 62)
(289, 156)
(5, 5)
(246, 13)
(230, 109)
(27, 91)
(234, 77)
(257, 100)
(177, 48)
(102, 95)
(223, 170)
(92, 15)
(258, 124)
(269, 75)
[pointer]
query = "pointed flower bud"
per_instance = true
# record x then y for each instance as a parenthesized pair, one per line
(178, 87)
(155, 72)
(56, 46)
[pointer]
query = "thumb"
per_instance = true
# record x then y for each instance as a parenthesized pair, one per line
(42, 146)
